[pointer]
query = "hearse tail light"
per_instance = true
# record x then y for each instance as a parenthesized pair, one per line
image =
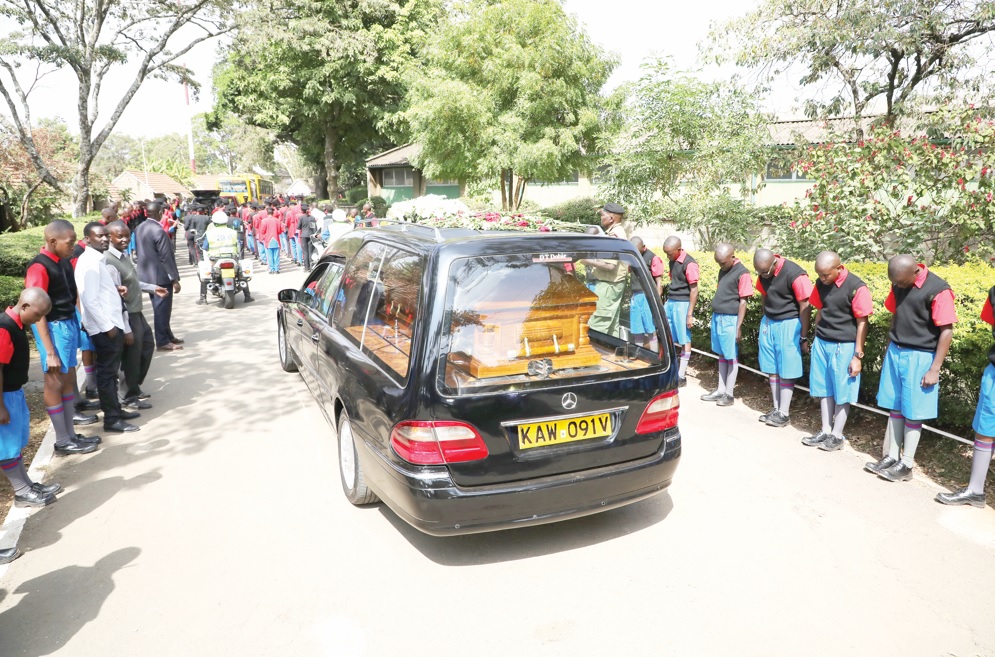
(437, 443)
(660, 414)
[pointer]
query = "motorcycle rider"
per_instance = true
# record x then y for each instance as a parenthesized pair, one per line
(220, 241)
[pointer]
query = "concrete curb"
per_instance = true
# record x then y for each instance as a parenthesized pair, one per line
(13, 524)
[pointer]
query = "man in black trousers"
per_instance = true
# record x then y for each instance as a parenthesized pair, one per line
(156, 264)
(137, 356)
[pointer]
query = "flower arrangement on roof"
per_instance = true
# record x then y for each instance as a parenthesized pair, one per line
(502, 221)
(426, 207)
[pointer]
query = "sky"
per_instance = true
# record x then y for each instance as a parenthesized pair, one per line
(634, 29)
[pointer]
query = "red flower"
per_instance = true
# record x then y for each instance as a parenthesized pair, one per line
(815, 208)
(792, 224)
(523, 224)
(544, 229)
(909, 202)
(966, 248)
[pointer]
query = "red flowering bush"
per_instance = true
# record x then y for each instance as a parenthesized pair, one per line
(929, 194)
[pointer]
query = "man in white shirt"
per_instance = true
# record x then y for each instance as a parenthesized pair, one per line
(106, 322)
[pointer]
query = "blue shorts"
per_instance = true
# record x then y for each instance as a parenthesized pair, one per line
(14, 436)
(677, 318)
(900, 388)
(84, 337)
(65, 338)
(780, 349)
(724, 336)
(984, 415)
(640, 315)
(829, 371)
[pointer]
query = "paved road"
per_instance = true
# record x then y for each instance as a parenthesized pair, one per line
(220, 530)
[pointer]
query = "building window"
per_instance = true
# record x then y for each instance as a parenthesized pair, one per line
(781, 170)
(442, 183)
(398, 177)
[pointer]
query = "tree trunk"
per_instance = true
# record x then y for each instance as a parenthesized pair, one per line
(7, 222)
(504, 192)
(26, 201)
(332, 165)
(320, 183)
(81, 183)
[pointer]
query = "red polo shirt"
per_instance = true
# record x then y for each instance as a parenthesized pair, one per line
(943, 310)
(37, 276)
(802, 287)
(6, 344)
(745, 282)
(862, 304)
(692, 273)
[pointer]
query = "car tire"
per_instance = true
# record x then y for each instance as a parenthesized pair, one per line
(350, 470)
(287, 361)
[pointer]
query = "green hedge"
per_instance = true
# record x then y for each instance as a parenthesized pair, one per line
(17, 249)
(961, 375)
(10, 289)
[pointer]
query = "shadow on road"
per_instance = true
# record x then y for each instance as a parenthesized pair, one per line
(77, 504)
(62, 601)
(515, 544)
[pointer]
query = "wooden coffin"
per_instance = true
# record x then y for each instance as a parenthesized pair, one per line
(530, 318)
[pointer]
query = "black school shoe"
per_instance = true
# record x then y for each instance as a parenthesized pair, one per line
(961, 497)
(763, 418)
(833, 444)
(81, 420)
(897, 472)
(73, 447)
(777, 419)
(727, 400)
(713, 396)
(816, 440)
(50, 489)
(31, 497)
(878, 466)
(9, 554)
(87, 440)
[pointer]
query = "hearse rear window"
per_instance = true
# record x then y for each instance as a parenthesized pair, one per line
(524, 320)
(378, 303)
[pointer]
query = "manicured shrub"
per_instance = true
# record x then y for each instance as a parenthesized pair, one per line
(578, 210)
(17, 249)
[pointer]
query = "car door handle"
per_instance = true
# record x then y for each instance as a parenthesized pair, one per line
(300, 322)
(316, 337)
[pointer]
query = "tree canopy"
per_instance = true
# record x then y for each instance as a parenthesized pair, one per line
(509, 90)
(680, 144)
(864, 54)
(89, 38)
(324, 73)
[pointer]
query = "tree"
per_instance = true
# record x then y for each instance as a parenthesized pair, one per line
(323, 74)
(226, 144)
(681, 143)
(867, 51)
(89, 38)
(510, 90)
(928, 192)
(21, 187)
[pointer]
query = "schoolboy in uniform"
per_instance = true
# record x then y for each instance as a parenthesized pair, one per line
(734, 288)
(843, 303)
(15, 363)
(983, 425)
(682, 295)
(641, 322)
(922, 304)
(57, 334)
(786, 290)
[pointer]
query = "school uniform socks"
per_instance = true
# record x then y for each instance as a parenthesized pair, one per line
(828, 407)
(68, 412)
(787, 389)
(839, 419)
(14, 470)
(979, 466)
(56, 414)
(682, 368)
(730, 377)
(774, 391)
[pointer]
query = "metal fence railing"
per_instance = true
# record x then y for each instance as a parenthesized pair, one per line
(926, 427)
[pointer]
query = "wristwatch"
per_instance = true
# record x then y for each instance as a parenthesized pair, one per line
(858, 354)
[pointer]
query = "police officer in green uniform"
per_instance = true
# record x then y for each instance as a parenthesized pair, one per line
(220, 241)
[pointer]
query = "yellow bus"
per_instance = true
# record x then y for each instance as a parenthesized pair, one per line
(245, 187)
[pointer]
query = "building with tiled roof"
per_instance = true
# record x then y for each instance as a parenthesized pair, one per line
(142, 185)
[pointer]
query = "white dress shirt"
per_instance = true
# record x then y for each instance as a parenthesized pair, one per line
(99, 301)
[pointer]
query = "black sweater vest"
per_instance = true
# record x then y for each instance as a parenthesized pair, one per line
(637, 285)
(726, 299)
(680, 289)
(779, 300)
(61, 287)
(837, 323)
(15, 373)
(913, 326)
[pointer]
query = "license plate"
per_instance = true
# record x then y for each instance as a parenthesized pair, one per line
(227, 273)
(556, 432)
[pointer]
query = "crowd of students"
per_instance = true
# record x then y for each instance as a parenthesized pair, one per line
(83, 301)
(923, 317)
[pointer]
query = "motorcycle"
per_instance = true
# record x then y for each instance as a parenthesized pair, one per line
(225, 275)
(317, 246)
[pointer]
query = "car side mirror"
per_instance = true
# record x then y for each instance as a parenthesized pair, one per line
(287, 296)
